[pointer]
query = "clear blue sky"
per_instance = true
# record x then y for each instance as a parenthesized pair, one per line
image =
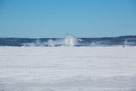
(55, 18)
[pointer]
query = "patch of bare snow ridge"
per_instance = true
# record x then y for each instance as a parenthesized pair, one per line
(67, 68)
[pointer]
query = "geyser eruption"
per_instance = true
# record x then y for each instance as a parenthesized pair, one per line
(69, 40)
(50, 43)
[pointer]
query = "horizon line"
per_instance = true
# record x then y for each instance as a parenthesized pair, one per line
(74, 36)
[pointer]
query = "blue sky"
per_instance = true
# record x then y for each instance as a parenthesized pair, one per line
(55, 18)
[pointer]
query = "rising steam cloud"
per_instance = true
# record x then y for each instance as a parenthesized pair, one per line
(67, 41)
(70, 40)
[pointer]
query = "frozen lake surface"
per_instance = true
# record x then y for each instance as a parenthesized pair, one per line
(67, 68)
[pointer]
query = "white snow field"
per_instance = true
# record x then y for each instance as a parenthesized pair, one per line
(68, 68)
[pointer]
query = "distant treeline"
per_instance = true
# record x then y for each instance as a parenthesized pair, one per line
(104, 41)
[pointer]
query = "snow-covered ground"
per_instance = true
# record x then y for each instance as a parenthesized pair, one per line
(67, 68)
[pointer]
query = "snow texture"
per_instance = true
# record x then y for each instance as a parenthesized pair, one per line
(67, 68)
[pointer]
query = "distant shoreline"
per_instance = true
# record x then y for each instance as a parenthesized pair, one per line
(70, 41)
